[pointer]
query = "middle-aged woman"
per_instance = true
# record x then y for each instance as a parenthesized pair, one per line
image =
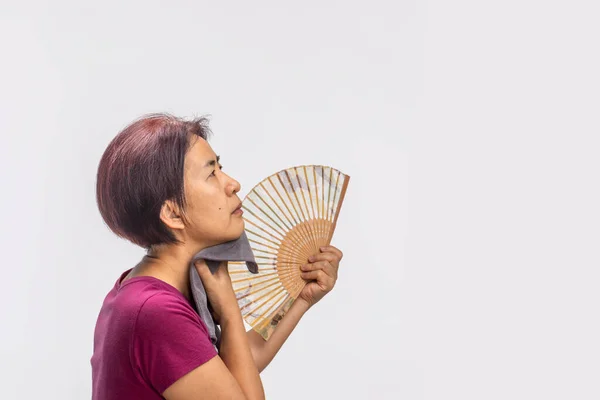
(161, 186)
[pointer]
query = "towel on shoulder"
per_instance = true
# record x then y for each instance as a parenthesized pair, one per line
(235, 250)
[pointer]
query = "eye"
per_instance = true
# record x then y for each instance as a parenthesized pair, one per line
(213, 172)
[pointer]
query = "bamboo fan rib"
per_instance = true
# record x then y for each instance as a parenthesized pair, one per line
(288, 216)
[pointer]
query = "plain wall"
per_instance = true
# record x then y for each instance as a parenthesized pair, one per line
(470, 227)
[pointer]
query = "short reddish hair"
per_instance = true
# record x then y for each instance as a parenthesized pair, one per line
(140, 169)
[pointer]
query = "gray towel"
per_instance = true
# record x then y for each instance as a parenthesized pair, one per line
(235, 250)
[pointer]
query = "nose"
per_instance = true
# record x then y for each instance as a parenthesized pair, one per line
(233, 186)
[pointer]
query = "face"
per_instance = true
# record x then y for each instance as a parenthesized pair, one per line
(211, 197)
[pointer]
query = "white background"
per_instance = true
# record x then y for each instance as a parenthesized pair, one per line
(471, 223)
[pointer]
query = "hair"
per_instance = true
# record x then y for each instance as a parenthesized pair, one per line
(141, 168)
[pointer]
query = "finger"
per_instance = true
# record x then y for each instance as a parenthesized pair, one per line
(205, 271)
(331, 257)
(325, 281)
(223, 268)
(332, 249)
(317, 275)
(314, 266)
(201, 267)
(321, 265)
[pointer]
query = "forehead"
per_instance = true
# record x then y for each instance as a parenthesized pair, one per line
(199, 153)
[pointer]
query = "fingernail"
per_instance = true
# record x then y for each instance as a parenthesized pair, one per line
(311, 258)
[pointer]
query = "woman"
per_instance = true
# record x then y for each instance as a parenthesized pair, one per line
(161, 186)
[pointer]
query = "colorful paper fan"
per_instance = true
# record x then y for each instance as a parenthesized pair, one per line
(288, 216)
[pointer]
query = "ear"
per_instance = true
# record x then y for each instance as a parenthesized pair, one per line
(171, 215)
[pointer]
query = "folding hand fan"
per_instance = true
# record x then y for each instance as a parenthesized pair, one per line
(288, 216)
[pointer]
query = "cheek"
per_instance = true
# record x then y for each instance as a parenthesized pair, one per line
(204, 206)
(206, 201)
(196, 203)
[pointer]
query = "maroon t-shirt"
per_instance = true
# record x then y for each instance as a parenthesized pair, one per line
(147, 337)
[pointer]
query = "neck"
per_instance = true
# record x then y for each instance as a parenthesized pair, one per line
(169, 263)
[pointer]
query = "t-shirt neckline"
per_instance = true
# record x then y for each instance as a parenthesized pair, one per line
(119, 284)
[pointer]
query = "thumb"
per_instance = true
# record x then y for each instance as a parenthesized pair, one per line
(222, 269)
(202, 268)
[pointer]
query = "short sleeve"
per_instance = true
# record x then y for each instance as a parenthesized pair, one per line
(169, 341)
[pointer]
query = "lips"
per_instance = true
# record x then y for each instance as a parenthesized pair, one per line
(237, 208)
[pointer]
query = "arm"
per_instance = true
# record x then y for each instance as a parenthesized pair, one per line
(321, 274)
(236, 354)
(232, 374)
(263, 351)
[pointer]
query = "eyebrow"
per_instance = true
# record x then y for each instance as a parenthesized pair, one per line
(211, 163)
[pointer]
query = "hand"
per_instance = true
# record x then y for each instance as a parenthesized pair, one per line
(322, 273)
(219, 290)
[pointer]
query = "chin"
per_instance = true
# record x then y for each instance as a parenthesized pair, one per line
(235, 229)
(232, 231)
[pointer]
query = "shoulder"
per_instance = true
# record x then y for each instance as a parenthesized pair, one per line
(164, 309)
(169, 339)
